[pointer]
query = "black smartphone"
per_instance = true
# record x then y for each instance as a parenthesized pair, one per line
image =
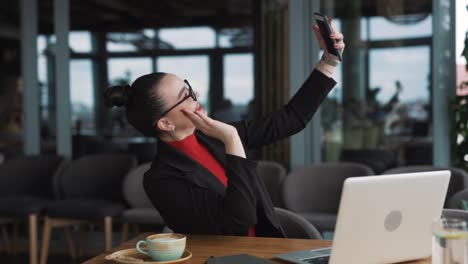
(325, 31)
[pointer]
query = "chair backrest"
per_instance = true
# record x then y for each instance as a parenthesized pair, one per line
(455, 202)
(273, 175)
(98, 176)
(29, 175)
(455, 213)
(378, 160)
(458, 179)
(133, 190)
(296, 226)
(317, 188)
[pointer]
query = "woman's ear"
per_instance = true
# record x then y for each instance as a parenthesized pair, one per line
(165, 125)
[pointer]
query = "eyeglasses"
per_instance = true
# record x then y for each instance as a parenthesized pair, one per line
(191, 94)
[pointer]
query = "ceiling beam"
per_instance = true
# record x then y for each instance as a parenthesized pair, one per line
(120, 6)
(129, 13)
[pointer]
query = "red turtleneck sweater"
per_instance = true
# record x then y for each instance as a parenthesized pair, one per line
(190, 147)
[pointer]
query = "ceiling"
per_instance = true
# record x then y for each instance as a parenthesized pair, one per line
(131, 15)
(127, 15)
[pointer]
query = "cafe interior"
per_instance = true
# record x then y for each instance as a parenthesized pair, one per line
(72, 169)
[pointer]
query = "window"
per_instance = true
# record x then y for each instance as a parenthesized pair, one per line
(189, 38)
(382, 28)
(409, 65)
(82, 95)
(193, 68)
(404, 91)
(122, 41)
(42, 76)
(127, 70)
(235, 37)
(382, 97)
(238, 87)
(80, 41)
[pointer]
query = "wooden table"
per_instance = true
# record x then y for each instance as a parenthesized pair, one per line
(203, 247)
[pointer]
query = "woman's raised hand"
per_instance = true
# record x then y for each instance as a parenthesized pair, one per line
(336, 35)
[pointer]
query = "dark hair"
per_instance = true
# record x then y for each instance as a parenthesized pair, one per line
(142, 103)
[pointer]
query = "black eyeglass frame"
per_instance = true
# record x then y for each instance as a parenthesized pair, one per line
(190, 94)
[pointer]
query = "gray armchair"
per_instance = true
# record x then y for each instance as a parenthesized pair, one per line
(296, 226)
(141, 210)
(314, 191)
(456, 199)
(89, 191)
(273, 175)
(26, 187)
(455, 213)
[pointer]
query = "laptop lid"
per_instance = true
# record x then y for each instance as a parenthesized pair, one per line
(388, 218)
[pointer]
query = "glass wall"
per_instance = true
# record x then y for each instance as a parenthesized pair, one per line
(195, 69)
(194, 53)
(127, 70)
(238, 87)
(189, 38)
(82, 96)
(382, 101)
(81, 87)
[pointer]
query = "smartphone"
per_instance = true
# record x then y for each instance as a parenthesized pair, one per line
(325, 31)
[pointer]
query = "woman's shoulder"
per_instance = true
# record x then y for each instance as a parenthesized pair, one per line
(163, 173)
(160, 170)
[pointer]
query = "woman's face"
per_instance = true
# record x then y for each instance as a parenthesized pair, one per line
(173, 90)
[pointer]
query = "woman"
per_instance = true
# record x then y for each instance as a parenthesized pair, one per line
(200, 181)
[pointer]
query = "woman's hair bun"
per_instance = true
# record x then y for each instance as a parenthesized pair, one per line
(116, 95)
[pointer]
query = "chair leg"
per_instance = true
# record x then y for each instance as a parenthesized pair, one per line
(32, 239)
(108, 232)
(81, 238)
(124, 233)
(69, 238)
(46, 240)
(14, 242)
(6, 238)
(136, 229)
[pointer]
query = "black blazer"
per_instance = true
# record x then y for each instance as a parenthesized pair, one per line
(193, 201)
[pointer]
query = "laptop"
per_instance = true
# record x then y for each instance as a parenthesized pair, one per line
(382, 219)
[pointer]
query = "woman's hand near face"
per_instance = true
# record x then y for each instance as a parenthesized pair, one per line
(219, 130)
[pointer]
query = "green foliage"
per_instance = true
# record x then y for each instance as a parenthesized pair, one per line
(460, 131)
(465, 51)
(459, 108)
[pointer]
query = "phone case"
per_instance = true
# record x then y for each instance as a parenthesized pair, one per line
(325, 31)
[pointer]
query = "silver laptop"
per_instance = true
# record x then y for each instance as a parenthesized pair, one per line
(383, 219)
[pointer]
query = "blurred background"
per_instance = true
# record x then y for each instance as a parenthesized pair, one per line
(241, 56)
(400, 99)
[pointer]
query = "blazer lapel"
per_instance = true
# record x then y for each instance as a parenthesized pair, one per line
(192, 170)
(175, 158)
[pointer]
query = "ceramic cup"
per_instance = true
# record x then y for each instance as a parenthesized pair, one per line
(163, 247)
